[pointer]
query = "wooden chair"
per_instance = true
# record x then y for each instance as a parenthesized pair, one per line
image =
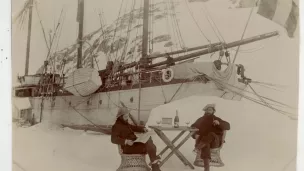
(132, 162)
(216, 160)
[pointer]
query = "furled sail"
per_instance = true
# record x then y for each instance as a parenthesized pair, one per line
(83, 82)
(226, 80)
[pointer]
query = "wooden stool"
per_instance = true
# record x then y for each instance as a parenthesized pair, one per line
(132, 162)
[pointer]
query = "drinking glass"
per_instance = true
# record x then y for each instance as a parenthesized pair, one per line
(158, 122)
(187, 123)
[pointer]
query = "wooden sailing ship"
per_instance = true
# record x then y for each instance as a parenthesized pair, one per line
(88, 98)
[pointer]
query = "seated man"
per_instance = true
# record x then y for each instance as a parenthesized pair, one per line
(123, 135)
(210, 133)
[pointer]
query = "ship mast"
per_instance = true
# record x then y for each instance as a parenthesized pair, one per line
(29, 32)
(144, 56)
(145, 29)
(80, 17)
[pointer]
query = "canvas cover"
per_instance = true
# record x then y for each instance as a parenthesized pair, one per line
(226, 80)
(83, 82)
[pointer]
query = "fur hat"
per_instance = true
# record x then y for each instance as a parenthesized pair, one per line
(122, 111)
(209, 106)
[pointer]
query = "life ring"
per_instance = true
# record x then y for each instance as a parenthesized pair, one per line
(167, 75)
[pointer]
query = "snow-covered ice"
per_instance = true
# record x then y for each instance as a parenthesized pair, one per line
(257, 141)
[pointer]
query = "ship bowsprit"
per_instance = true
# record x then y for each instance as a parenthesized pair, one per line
(83, 82)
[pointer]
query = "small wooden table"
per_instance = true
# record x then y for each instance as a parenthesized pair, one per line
(170, 144)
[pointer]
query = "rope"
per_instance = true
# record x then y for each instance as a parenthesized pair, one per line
(262, 85)
(109, 52)
(181, 41)
(134, 44)
(167, 22)
(251, 11)
(267, 104)
(84, 116)
(175, 34)
(191, 13)
(213, 25)
(128, 31)
(250, 98)
(243, 90)
(177, 90)
(152, 29)
(120, 32)
(43, 30)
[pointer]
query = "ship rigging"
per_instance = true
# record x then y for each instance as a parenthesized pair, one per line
(128, 80)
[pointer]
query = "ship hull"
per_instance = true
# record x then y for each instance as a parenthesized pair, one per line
(101, 108)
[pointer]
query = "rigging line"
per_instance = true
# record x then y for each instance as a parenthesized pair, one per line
(248, 97)
(235, 55)
(255, 100)
(267, 98)
(180, 86)
(218, 31)
(60, 32)
(104, 21)
(101, 23)
(214, 31)
(50, 53)
(121, 32)
(177, 24)
(262, 85)
(209, 17)
(84, 116)
(262, 98)
(249, 50)
(176, 37)
(54, 35)
(152, 30)
(111, 47)
(122, 58)
(169, 9)
(191, 13)
(115, 104)
(121, 23)
(182, 44)
(134, 42)
(269, 84)
(43, 30)
(167, 22)
(149, 29)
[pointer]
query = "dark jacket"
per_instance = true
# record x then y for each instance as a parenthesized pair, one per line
(205, 125)
(122, 130)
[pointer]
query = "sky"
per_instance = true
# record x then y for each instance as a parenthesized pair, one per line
(274, 60)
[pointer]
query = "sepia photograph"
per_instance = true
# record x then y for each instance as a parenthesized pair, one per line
(155, 85)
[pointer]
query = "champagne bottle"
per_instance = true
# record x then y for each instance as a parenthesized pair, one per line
(176, 120)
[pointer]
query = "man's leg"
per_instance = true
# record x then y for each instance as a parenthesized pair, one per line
(151, 150)
(206, 164)
(208, 141)
(205, 155)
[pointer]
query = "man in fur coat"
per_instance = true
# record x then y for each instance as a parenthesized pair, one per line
(211, 129)
(123, 134)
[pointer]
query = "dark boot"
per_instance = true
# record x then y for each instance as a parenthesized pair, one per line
(155, 167)
(206, 165)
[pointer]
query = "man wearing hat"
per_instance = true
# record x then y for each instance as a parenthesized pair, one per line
(211, 129)
(123, 134)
